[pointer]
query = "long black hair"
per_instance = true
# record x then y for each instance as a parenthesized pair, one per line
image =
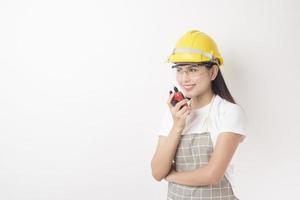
(218, 84)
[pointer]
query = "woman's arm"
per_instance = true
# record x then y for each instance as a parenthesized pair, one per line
(164, 154)
(214, 171)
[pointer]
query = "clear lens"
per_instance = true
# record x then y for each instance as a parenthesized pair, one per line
(190, 69)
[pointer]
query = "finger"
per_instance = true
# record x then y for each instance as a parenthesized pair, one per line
(184, 116)
(180, 103)
(181, 111)
(185, 113)
(170, 99)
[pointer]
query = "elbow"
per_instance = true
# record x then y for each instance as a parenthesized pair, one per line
(157, 176)
(215, 178)
(157, 173)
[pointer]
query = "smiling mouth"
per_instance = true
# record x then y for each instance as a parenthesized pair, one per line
(188, 87)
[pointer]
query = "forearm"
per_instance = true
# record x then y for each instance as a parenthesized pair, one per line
(199, 177)
(162, 160)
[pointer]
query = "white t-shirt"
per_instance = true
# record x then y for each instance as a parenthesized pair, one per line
(224, 117)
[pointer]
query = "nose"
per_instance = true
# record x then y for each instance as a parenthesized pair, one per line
(185, 77)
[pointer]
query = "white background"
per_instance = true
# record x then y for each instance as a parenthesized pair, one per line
(83, 86)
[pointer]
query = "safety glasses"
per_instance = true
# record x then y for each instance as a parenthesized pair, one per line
(192, 69)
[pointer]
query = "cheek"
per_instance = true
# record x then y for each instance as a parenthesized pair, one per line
(203, 82)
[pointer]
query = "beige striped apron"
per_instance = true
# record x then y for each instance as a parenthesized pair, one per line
(193, 151)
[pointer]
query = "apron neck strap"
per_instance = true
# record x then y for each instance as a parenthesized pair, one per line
(205, 124)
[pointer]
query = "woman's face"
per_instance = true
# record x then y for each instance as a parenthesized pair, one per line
(194, 80)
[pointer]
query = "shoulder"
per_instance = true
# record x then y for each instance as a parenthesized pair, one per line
(225, 107)
(232, 117)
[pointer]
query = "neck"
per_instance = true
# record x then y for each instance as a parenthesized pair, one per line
(202, 100)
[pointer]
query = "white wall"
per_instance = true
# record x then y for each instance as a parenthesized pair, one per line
(83, 86)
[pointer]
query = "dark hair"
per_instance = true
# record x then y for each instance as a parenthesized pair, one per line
(218, 84)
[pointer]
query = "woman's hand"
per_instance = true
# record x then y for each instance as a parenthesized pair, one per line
(179, 116)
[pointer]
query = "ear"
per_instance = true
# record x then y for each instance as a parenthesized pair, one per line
(214, 72)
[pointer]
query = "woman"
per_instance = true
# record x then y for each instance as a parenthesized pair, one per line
(197, 142)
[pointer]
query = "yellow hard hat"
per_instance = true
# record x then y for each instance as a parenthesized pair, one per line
(195, 46)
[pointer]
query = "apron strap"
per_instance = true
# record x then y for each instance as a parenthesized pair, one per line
(207, 118)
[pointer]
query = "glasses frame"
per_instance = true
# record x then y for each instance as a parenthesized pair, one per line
(206, 64)
(190, 65)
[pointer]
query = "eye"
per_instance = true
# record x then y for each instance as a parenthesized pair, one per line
(193, 70)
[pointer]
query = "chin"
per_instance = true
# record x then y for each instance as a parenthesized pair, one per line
(190, 94)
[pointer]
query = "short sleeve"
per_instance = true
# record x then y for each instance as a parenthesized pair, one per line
(233, 119)
(165, 123)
